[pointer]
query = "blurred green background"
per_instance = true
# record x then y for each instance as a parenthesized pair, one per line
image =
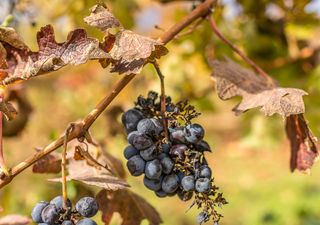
(251, 154)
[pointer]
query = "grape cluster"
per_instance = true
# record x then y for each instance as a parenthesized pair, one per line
(168, 149)
(53, 212)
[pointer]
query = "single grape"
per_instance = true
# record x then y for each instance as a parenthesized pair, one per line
(180, 175)
(58, 202)
(162, 155)
(187, 183)
(136, 165)
(149, 153)
(205, 172)
(202, 146)
(167, 165)
(141, 142)
(131, 136)
(177, 135)
(161, 193)
(87, 206)
(43, 224)
(67, 222)
(86, 221)
(202, 217)
(50, 214)
(153, 169)
(165, 148)
(203, 185)
(130, 151)
(194, 133)
(150, 127)
(154, 185)
(36, 212)
(178, 151)
(185, 196)
(170, 183)
(130, 119)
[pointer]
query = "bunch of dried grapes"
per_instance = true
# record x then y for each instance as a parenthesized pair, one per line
(170, 153)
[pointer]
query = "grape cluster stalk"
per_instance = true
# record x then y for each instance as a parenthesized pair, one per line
(54, 212)
(173, 163)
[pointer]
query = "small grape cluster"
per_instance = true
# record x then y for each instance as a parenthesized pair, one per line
(53, 212)
(169, 150)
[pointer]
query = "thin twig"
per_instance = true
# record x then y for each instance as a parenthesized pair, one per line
(3, 165)
(162, 100)
(237, 50)
(64, 166)
(81, 127)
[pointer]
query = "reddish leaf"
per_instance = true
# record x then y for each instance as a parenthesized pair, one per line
(132, 207)
(234, 80)
(14, 220)
(304, 150)
(78, 49)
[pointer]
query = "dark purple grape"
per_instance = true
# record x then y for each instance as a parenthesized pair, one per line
(153, 169)
(58, 202)
(178, 151)
(131, 136)
(154, 185)
(162, 155)
(130, 119)
(87, 207)
(141, 142)
(202, 146)
(188, 183)
(136, 165)
(205, 172)
(194, 133)
(130, 151)
(170, 183)
(177, 135)
(202, 217)
(149, 153)
(180, 175)
(161, 194)
(185, 196)
(50, 214)
(203, 185)
(165, 148)
(150, 127)
(86, 221)
(36, 212)
(167, 165)
(67, 222)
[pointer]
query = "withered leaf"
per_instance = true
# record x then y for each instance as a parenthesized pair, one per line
(256, 91)
(11, 37)
(23, 64)
(304, 151)
(130, 51)
(102, 18)
(14, 220)
(132, 207)
(48, 164)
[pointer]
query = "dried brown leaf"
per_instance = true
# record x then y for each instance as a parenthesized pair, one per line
(132, 207)
(23, 64)
(14, 220)
(304, 149)
(256, 91)
(102, 18)
(9, 36)
(48, 164)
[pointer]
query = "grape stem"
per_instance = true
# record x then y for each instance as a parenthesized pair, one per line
(3, 166)
(162, 100)
(80, 128)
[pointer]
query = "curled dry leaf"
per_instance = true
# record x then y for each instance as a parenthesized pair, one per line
(129, 51)
(131, 207)
(304, 151)
(23, 63)
(14, 220)
(256, 91)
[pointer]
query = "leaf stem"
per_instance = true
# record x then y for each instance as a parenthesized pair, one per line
(217, 31)
(3, 166)
(64, 166)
